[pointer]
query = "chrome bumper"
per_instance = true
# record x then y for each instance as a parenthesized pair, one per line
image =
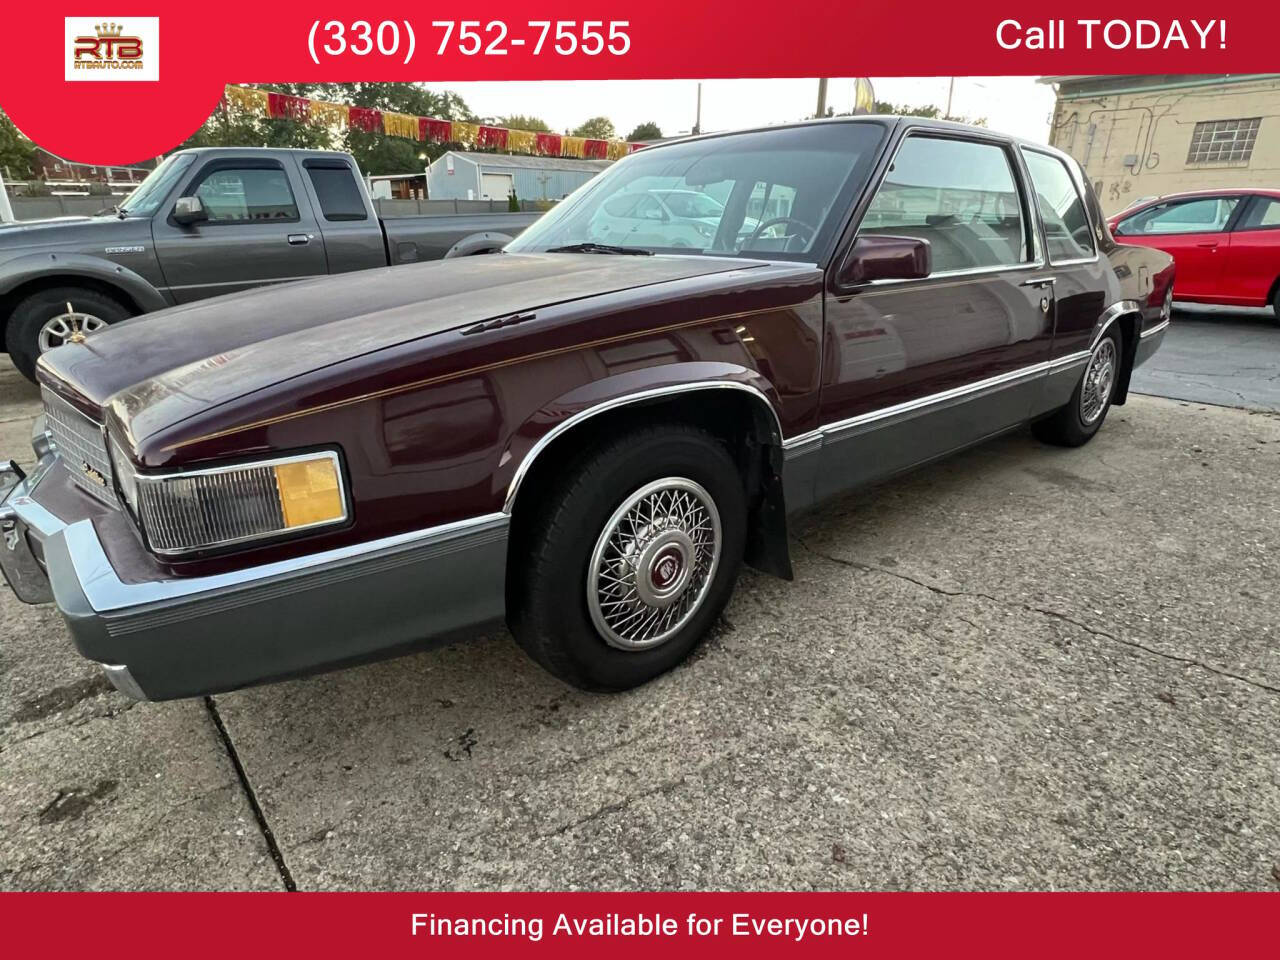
(160, 637)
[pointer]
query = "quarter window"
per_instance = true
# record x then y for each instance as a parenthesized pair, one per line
(336, 190)
(247, 195)
(1067, 231)
(1263, 214)
(959, 195)
(1223, 141)
(1206, 215)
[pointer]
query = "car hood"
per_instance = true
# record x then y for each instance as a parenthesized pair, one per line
(159, 369)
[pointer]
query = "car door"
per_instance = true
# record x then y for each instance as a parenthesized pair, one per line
(1253, 259)
(1194, 232)
(915, 368)
(258, 230)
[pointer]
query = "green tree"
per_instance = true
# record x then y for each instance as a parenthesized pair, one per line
(16, 151)
(520, 122)
(646, 131)
(597, 128)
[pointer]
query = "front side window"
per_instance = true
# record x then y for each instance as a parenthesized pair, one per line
(959, 195)
(1205, 215)
(1068, 234)
(780, 193)
(247, 195)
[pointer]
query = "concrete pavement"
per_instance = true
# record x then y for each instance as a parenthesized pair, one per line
(1024, 667)
(1222, 355)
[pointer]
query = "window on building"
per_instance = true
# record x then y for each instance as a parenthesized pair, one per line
(1223, 141)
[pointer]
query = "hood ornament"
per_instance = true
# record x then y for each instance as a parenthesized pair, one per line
(77, 331)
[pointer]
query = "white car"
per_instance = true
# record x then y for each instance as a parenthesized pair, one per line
(661, 218)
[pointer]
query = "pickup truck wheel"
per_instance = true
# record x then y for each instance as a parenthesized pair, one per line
(631, 558)
(50, 318)
(1075, 424)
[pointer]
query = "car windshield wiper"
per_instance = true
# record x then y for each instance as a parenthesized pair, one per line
(601, 248)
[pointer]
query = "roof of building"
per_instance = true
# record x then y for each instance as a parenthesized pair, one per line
(531, 162)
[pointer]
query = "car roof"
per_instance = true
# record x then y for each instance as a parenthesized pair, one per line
(1194, 194)
(885, 119)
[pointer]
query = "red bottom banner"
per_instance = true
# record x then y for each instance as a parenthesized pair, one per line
(583, 924)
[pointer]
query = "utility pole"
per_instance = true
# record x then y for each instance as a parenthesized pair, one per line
(822, 97)
(951, 89)
(697, 122)
(6, 211)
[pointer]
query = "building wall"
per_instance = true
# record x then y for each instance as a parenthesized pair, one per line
(441, 185)
(1132, 135)
(531, 183)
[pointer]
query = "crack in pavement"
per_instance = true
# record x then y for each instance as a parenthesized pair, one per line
(1044, 611)
(286, 877)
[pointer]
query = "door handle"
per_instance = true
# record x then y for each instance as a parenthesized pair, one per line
(1209, 245)
(1039, 282)
(298, 239)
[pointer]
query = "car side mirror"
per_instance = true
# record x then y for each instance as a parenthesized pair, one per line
(189, 210)
(877, 257)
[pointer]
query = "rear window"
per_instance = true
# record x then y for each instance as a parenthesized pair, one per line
(337, 192)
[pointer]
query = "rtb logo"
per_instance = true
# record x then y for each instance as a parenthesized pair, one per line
(112, 49)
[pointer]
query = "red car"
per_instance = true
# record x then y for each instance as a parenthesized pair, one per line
(1226, 243)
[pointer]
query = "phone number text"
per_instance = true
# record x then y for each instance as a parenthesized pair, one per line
(397, 39)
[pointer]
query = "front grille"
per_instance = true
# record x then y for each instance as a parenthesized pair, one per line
(81, 444)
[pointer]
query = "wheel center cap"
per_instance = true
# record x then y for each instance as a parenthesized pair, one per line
(664, 568)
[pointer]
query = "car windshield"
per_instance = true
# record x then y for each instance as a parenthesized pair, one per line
(144, 201)
(779, 193)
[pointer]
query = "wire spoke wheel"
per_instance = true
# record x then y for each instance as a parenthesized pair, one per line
(653, 563)
(1099, 380)
(69, 327)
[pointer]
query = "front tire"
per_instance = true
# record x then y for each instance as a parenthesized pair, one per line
(630, 559)
(49, 318)
(1075, 424)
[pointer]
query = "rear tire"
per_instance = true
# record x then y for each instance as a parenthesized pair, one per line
(648, 528)
(1075, 424)
(33, 313)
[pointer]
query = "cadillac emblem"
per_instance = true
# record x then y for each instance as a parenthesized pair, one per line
(94, 475)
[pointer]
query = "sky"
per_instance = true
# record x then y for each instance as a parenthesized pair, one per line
(1015, 105)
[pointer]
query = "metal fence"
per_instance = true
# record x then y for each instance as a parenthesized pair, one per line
(42, 208)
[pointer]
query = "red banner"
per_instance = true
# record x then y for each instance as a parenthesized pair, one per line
(636, 925)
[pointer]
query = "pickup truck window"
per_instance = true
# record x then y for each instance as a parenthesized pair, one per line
(247, 195)
(960, 195)
(722, 196)
(1067, 231)
(336, 189)
(146, 200)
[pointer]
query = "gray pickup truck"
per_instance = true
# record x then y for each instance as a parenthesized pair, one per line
(207, 222)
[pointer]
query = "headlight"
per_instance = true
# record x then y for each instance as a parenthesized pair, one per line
(200, 509)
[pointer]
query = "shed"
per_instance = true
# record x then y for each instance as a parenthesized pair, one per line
(464, 175)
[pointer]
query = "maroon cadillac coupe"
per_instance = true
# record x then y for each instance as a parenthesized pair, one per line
(583, 436)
